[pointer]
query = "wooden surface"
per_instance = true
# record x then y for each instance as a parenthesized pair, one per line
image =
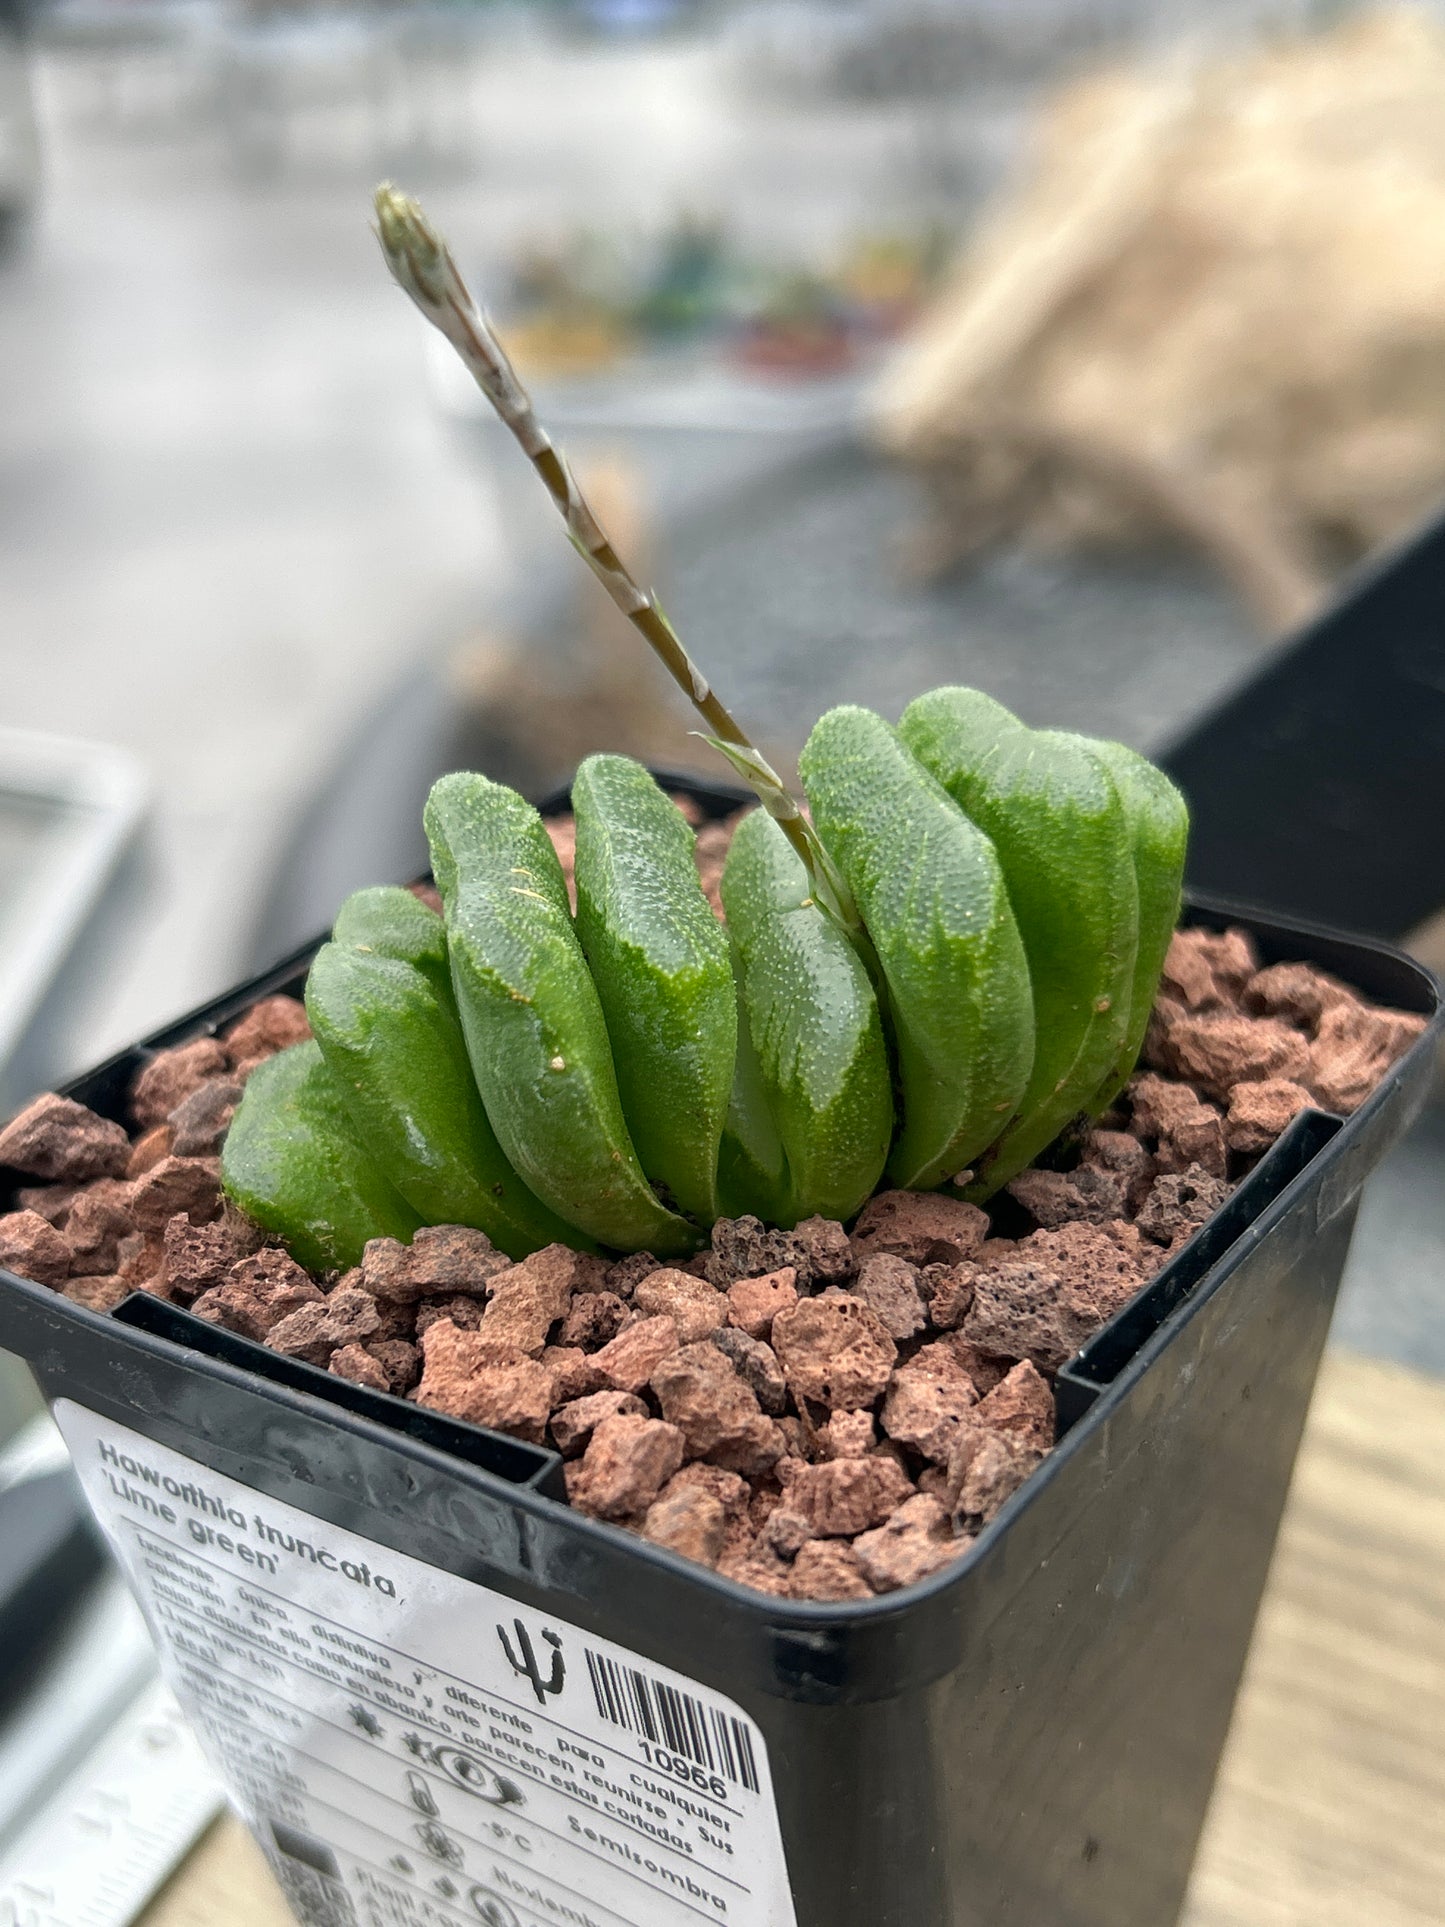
(1330, 1810)
(225, 1883)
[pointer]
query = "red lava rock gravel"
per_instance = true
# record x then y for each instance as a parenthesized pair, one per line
(191, 1185)
(574, 1423)
(1258, 1113)
(56, 1139)
(174, 1075)
(1179, 1203)
(1089, 1195)
(825, 1413)
(147, 1151)
(696, 1309)
(625, 1466)
(441, 1261)
(31, 1247)
(628, 1361)
(259, 1292)
(356, 1363)
(471, 1377)
(929, 1401)
(716, 1410)
(756, 1363)
(753, 1303)
(922, 1226)
(834, 1351)
(915, 1541)
(1353, 1049)
(271, 1025)
(891, 1290)
(200, 1256)
(690, 1521)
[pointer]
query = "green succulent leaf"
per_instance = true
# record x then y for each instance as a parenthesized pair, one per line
(380, 1001)
(1159, 827)
(752, 1165)
(532, 1019)
(1048, 804)
(816, 1038)
(293, 1162)
(931, 892)
(392, 922)
(659, 960)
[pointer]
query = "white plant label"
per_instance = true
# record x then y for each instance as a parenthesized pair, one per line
(414, 1750)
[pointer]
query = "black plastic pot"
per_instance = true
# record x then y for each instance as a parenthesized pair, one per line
(1027, 1740)
(1346, 720)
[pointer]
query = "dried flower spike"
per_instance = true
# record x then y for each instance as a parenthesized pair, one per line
(422, 267)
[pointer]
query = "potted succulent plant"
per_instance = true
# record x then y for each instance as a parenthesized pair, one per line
(692, 1376)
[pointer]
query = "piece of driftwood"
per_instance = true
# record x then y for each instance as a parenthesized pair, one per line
(1213, 311)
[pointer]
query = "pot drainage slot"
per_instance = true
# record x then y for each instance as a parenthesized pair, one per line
(1092, 1370)
(494, 1452)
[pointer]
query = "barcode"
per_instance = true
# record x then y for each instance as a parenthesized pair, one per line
(662, 1715)
(315, 1900)
(307, 1873)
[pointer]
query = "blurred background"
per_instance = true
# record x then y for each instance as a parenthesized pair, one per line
(900, 342)
(1076, 348)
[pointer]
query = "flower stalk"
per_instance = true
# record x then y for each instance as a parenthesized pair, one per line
(421, 264)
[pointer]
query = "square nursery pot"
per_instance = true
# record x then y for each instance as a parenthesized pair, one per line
(439, 1695)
